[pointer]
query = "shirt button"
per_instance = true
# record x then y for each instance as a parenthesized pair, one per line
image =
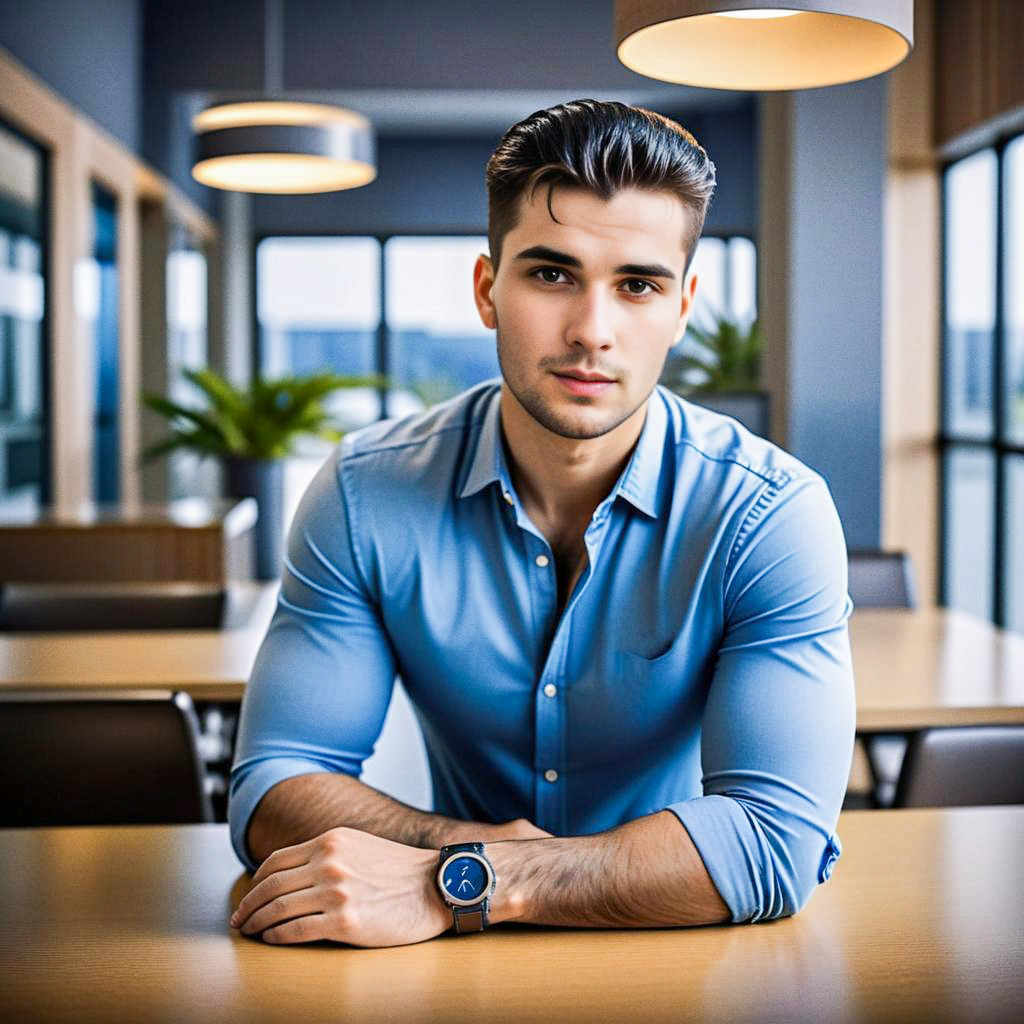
(507, 496)
(551, 775)
(550, 690)
(542, 561)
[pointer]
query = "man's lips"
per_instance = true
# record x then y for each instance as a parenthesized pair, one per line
(580, 383)
(580, 375)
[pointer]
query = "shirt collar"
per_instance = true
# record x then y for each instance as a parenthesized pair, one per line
(487, 463)
(638, 483)
(640, 480)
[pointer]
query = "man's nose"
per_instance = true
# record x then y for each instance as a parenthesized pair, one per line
(591, 323)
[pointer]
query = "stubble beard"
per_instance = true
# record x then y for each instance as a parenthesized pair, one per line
(535, 405)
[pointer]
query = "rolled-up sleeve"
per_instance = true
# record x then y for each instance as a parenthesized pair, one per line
(323, 677)
(778, 730)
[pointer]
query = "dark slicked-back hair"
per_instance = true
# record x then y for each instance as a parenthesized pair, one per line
(601, 147)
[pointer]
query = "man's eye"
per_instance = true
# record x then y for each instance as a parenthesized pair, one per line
(638, 286)
(549, 275)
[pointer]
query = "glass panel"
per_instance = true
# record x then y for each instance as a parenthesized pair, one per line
(187, 350)
(1013, 228)
(24, 428)
(970, 541)
(1013, 512)
(438, 347)
(970, 294)
(100, 280)
(709, 264)
(318, 305)
(742, 280)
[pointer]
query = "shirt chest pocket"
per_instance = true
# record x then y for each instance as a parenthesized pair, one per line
(674, 682)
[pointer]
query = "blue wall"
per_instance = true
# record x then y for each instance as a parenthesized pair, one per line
(89, 51)
(438, 185)
(838, 164)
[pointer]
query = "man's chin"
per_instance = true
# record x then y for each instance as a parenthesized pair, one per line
(582, 424)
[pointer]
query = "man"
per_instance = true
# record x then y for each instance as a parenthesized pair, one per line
(592, 591)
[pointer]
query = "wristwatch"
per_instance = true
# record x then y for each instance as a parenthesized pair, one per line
(466, 879)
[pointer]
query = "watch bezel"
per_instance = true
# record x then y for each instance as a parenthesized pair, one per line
(488, 888)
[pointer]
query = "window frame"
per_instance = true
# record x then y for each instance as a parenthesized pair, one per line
(382, 238)
(46, 327)
(998, 445)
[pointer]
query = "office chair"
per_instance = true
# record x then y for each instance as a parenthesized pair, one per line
(100, 758)
(963, 766)
(881, 579)
(32, 607)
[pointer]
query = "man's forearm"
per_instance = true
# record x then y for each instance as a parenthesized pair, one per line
(646, 873)
(305, 806)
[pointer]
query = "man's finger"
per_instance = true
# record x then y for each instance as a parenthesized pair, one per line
(281, 860)
(302, 929)
(273, 887)
(283, 908)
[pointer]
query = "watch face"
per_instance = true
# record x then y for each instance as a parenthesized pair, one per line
(465, 879)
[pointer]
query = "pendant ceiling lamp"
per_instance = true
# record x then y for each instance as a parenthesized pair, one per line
(763, 45)
(281, 146)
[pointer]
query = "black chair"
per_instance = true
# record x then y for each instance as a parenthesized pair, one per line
(963, 766)
(34, 607)
(881, 579)
(100, 758)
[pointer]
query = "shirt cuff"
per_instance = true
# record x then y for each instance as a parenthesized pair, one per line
(756, 878)
(248, 787)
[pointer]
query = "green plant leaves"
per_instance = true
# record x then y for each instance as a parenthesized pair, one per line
(263, 422)
(724, 356)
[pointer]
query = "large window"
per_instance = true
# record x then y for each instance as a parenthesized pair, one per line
(24, 406)
(98, 289)
(982, 437)
(187, 349)
(402, 307)
(726, 270)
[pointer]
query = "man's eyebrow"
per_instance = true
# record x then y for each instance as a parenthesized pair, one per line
(542, 252)
(646, 270)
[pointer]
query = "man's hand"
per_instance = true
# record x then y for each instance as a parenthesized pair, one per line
(347, 886)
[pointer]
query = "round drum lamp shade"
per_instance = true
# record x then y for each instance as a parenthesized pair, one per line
(763, 45)
(282, 147)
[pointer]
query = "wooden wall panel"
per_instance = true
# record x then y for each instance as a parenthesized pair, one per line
(979, 66)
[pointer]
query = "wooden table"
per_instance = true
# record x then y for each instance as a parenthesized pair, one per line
(913, 668)
(934, 666)
(921, 921)
(208, 664)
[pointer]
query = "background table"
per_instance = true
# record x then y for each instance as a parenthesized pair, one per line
(913, 668)
(934, 666)
(921, 921)
(208, 664)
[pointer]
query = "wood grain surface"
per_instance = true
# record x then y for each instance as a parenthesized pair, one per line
(920, 921)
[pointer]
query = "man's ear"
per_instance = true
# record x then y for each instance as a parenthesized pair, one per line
(685, 306)
(483, 283)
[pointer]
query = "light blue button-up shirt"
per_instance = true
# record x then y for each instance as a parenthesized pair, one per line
(701, 664)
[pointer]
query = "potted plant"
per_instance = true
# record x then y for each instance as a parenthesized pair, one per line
(251, 431)
(719, 366)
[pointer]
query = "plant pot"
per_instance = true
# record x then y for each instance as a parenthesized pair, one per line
(262, 479)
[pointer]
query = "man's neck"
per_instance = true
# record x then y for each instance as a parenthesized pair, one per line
(562, 480)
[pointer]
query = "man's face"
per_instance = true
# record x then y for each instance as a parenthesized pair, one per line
(587, 307)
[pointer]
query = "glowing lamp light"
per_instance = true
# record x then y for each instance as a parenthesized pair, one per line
(758, 45)
(283, 147)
